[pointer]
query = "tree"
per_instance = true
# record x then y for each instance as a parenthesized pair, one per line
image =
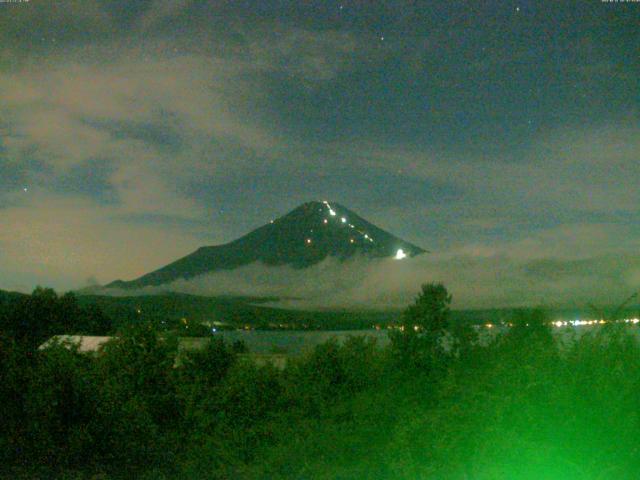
(430, 312)
(419, 341)
(36, 317)
(136, 404)
(94, 321)
(58, 403)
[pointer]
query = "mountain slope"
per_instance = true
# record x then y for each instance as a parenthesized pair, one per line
(301, 238)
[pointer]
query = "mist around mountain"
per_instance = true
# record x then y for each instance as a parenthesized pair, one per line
(331, 272)
(304, 237)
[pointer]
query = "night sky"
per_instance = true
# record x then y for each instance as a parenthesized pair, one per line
(502, 136)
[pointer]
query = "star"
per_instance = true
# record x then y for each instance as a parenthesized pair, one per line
(25, 189)
(382, 38)
(517, 9)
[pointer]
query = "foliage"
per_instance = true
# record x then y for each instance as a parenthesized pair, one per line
(34, 318)
(420, 341)
(519, 405)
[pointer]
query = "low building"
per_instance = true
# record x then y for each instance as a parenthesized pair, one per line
(85, 343)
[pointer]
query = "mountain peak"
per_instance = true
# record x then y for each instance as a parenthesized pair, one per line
(303, 237)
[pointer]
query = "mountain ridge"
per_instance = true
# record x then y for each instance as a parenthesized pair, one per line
(301, 238)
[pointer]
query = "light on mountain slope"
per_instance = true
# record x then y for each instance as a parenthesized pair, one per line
(400, 254)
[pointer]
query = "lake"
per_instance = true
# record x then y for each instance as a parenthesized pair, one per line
(299, 342)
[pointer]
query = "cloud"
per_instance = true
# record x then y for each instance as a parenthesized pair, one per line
(160, 11)
(568, 174)
(151, 127)
(313, 57)
(62, 240)
(33, 20)
(523, 273)
(69, 111)
(134, 125)
(107, 134)
(148, 122)
(184, 113)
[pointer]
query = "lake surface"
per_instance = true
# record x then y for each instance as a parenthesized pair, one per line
(300, 342)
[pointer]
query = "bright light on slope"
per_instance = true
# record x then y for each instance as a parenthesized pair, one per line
(331, 210)
(400, 254)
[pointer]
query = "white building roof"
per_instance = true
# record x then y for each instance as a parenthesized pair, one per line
(85, 343)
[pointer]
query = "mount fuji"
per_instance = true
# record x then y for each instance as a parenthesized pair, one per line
(303, 237)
